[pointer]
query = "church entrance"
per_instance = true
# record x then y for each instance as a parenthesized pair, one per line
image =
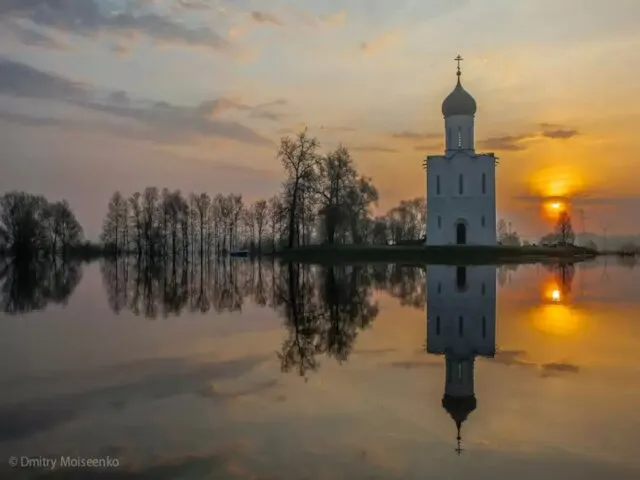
(461, 234)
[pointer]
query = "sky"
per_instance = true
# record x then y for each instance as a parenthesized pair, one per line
(105, 95)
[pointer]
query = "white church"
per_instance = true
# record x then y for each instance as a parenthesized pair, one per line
(461, 325)
(461, 184)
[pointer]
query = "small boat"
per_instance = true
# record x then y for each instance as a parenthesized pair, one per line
(239, 253)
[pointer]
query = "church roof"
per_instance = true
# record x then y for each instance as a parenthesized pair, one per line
(459, 407)
(459, 102)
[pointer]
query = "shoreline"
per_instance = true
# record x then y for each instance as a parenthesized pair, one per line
(435, 255)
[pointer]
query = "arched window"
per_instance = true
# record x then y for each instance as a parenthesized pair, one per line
(460, 184)
(439, 287)
(482, 221)
(439, 221)
(460, 327)
(459, 137)
(438, 325)
(437, 184)
(484, 183)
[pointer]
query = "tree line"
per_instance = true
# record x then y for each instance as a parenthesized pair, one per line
(31, 227)
(323, 199)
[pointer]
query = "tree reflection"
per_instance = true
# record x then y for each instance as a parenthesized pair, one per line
(563, 275)
(28, 286)
(324, 309)
(163, 290)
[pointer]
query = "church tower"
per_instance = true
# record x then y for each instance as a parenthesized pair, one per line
(461, 324)
(461, 184)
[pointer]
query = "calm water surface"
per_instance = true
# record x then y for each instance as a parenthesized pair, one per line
(295, 372)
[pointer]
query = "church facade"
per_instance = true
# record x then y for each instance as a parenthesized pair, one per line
(461, 184)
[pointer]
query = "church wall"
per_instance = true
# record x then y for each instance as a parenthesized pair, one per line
(450, 297)
(446, 208)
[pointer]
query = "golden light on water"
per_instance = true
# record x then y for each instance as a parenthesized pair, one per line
(552, 292)
(556, 319)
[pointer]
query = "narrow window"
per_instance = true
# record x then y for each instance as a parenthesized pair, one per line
(482, 220)
(459, 137)
(484, 183)
(460, 327)
(459, 371)
(484, 327)
(461, 278)
(439, 221)
(438, 325)
(438, 185)
(439, 287)
(460, 184)
(483, 289)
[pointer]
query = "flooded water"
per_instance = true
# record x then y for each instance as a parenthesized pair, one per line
(256, 371)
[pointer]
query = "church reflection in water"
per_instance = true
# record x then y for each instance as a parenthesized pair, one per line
(461, 325)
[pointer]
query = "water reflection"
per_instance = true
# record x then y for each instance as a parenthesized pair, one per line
(324, 309)
(25, 287)
(461, 324)
(539, 389)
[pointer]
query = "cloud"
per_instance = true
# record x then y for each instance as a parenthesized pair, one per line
(32, 121)
(430, 147)
(21, 80)
(214, 108)
(264, 17)
(520, 142)
(337, 129)
(382, 42)
(506, 143)
(408, 135)
(120, 49)
(34, 37)
(336, 19)
(166, 121)
(194, 4)
(87, 18)
(518, 357)
(174, 121)
(373, 149)
(145, 380)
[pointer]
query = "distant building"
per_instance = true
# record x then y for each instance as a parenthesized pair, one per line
(461, 184)
(461, 325)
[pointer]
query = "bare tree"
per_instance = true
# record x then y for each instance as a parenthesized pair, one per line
(564, 229)
(261, 210)
(299, 159)
(115, 228)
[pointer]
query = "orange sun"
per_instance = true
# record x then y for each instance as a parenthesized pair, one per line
(554, 206)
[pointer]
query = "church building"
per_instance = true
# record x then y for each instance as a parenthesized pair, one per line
(461, 184)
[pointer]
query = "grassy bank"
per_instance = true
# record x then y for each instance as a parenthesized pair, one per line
(443, 255)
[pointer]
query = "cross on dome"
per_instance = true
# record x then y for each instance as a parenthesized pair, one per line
(459, 101)
(459, 59)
